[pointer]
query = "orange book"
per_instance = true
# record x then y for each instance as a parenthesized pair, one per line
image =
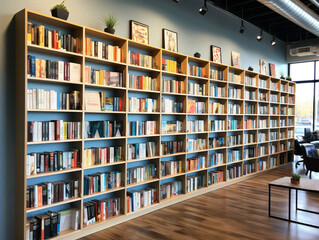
(101, 77)
(40, 200)
(191, 106)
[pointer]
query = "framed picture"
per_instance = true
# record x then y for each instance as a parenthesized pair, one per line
(170, 40)
(272, 70)
(235, 59)
(139, 32)
(263, 66)
(215, 54)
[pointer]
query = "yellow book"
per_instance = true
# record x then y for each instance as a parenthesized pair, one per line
(29, 39)
(65, 130)
(101, 77)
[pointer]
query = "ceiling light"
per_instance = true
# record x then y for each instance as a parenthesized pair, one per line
(273, 42)
(203, 10)
(260, 36)
(242, 27)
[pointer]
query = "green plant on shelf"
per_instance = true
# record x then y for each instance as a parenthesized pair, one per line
(60, 6)
(109, 20)
(296, 177)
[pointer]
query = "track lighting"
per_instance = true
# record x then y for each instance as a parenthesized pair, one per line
(203, 10)
(242, 27)
(273, 42)
(260, 36)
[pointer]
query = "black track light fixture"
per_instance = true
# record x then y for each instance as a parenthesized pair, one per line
(260, 36)
(177, 1)
(273, 42)
(242, 27)
(203, 10)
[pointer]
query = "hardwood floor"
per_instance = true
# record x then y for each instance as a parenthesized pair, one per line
(239, 211)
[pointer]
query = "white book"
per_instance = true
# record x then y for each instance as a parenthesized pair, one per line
(60, 70)
(99, 49)
(49, 39)
(35, 195)
(75, 219)
(75, 72)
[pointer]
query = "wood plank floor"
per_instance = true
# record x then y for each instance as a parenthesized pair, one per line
(239, 211)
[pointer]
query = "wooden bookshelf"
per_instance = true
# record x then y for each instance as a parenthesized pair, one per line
(213, 75)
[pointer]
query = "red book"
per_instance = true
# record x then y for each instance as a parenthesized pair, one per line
(53, 38)
(72, 159)
(120, 104)
(46, 162)
(40, 196)
(128, 203)
(75, 159)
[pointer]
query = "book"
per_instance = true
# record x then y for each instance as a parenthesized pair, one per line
(109, 103)
(191, 106)
(92, 101)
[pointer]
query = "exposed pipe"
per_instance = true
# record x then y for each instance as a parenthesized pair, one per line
(296, 12)
(315, 3)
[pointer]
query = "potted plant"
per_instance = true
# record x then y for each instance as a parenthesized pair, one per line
(250, 68)
(295, 178)
(60, 11)
(282, 75)
(288, 78)
(197, 54)
(109, 21)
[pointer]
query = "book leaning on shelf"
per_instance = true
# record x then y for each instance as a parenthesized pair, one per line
(42, 36)
(51, 192)
(103, 129)
(38, 163)
(171, 189)
(59, 70)
(102, 50)
(141, 198)
(140, 150)
(141, 174)
(100, 182)
(53, 130)
(51, 224)
(100, 210)
(103, 77)
(215, 142)
(102, 155)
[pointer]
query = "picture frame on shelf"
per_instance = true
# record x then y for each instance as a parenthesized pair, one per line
(170, 40)
(263, 66)
(272, 70)
(139, 32)
(215, 54)
(235, 59)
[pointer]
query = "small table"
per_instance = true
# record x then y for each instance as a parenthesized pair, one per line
(305, 185)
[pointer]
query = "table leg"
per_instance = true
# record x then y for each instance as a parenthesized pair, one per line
(289, 207)
(269, 200)
(296, 199)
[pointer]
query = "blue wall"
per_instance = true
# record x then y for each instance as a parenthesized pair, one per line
(196, 33)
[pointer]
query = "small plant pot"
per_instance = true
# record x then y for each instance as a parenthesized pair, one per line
(197, 54)
(293, 181)
(58, 13)
(109, 30)
(282, 77)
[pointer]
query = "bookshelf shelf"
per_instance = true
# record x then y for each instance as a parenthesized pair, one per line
(186, 65)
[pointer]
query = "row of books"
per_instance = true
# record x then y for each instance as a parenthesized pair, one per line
(249, 152)
(196, 89)
(233, 155)
(171, 147)
(51, 192)
(196, 163)
(274, 86)
(100, 210)
(141, 60)
(263, 97)
(250, 95)
(262, 137)
(215, 158)
(290, 133)
(139, 128)
(140, 150)
(262, 109)
(290, 121)
(216, 74)
(196, 126)
(53, 130)
(51, 224)
(52, 100)
(217, 91)
(248, 167)
(282, 110)
(44, 37)
(262, 83)
(37, 163)
(141, 82)
(102, 155)
(250, 123)
(196, 144)
(291, 100)
(59, 70)
(102, 181)
(273, 148)
(251, 81)
(171, 66)
(141, 198)
(272, 162)
(172, 106)
(261, 150)
(273, 135)
(273, 98)
(141, 173)
(103, 129)
(142, 104)
(283, 99)
(195, 182)
(273, 122)
(233, 140)
(248, 138)
(197, 71)
(234, 78)
(169, 168)
(234, 108)
(217, 125)
(261, 165)
(194, 106)
(234, 92)
(233, 171)
(102, 50)
(171, 189)
(215, 142)
(103, 77)
(215, 177)
(262, 123)
(291, 89)
(217, 107)
(110, 103)
(250, 108)
(290, 111)
(173, 86)
(174, 126)
(232, 124)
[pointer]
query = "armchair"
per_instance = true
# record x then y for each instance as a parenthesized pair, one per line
(311, 159)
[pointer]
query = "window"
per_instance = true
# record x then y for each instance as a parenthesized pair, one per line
(302, 71)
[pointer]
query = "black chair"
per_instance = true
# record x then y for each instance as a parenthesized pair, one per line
(311, 159)
(298, 152)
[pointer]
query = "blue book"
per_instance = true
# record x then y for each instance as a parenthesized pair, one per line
(32, 66)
